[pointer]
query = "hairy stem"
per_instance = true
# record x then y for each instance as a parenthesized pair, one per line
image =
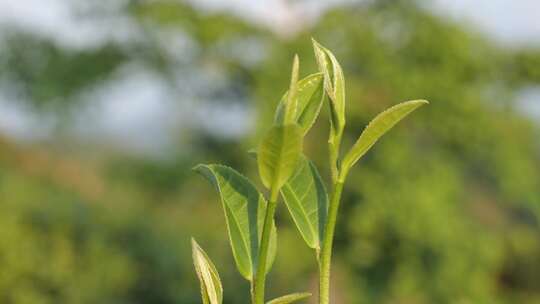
(260, 275)
(326, 252)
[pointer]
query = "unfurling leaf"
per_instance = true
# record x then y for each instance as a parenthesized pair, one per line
(377, 128)
(290, 298)
(306, 198)
(245, 209)
(310, 97)
(334, 83)
(211, 288)
(278, 153)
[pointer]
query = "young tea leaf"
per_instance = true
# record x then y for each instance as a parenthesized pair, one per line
(334, 83)
(278, 153)
(211, 288)
(292, 101)
(290, 298)
(245, 209)
(377, 128)
(310, 99)
(306, 198)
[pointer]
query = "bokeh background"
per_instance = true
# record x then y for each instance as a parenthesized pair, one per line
(106, 105)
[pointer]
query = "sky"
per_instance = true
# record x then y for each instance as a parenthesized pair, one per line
(506, 21)
(509, 22)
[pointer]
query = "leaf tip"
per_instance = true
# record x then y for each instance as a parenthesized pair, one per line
(417, 102)
(206, 171)
(195, 247)
(198, 167)
(315, 42)
(295, 71)
(421, 101)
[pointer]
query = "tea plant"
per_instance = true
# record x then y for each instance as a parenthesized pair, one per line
(285, 171)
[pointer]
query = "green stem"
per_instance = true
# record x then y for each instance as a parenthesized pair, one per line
(260, 275)
(326, 253)
(333, 148)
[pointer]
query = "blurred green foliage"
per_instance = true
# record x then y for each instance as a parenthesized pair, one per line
(445, 209)
(59, 247)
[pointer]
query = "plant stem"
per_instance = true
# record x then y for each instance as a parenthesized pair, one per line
(333, 148)
(326, 253)
(260, 275)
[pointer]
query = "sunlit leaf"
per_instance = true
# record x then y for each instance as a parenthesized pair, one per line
(310, 99)
(211, 288)
(334, 83)
(278, 153)
(292, 101)
(306, 198)
(290, 298)
(377, 128)
(245, 209)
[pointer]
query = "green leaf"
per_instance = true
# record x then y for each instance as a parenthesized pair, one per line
(278, 153)
(290, 298)
(377, 128)
(211, 288)
(292, 101)
(310, 99)
(307, 200)
(334, 83)
(245, 209)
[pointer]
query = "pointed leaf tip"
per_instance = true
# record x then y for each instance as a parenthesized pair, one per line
(292, 101)
(314, 42)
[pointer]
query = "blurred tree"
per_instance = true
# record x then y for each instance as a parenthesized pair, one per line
(56, 247)
(445, 210)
